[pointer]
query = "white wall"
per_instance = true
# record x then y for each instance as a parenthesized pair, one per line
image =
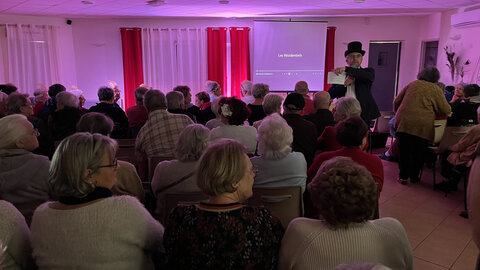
(465, 42)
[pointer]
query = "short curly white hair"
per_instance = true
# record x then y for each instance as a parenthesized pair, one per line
(274, 137)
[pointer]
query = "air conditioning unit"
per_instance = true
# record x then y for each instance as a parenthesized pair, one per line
(467, 16)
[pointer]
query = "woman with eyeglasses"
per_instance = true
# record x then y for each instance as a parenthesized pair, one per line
(222, 233)
(87, 228)
(23, 175)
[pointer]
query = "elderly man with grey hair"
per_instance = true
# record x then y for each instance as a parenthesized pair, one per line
(344, 108)
(106, 106)
(272, 103)
(301, 87)
(176, 104)
(62, 122)
(323, 117)
(161, 131)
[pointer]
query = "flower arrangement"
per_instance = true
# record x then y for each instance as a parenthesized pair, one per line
(454, 63)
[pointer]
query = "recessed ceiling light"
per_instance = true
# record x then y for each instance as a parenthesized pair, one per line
(224, 2)
(358, 1)
(155, 3)
(85, 2)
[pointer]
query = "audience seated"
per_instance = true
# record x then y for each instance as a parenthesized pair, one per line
(14, 239)
(260, 90)
(213, 88)
(40, 97)
(81, 99)
(304, 132)
(202, 100)
(178, 176)
(62, 122)
(458, 94)
(233, 114)
(344, 108)
(176, 104)
(51, 104)
(3, 106)
(246, 91)
(277, 165)
(323, 117)
(87, 228)
(301, 87)
(345, 195)
(187, 96)
(8, 88)
(458, 156)
(128, 181)
(222, 233)
(20, 104)
(138, 114)
(474, 202)
(352, 134)
(272, 103)
(464, 112)
(217, 121)
(107, 106)
(161, 131)
(23, 175)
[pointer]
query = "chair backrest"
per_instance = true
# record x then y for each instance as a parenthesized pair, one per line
(174, 199)
(439, 130)
(284, 202)
(381, 123)
(126, 154)
(451, 136)
(126, 143)
(152, 164)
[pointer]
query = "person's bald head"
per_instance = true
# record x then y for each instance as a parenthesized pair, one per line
(301, 87)
(321, 100)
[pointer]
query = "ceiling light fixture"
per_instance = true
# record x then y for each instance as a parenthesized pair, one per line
(224, 2)
(85, 2)
(155, 3)
(359, 1)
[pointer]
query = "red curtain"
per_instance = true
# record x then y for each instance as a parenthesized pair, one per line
(217, 56)
(329, 54)
(240, 58)
(132, 62)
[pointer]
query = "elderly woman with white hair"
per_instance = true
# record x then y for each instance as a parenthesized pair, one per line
(217, 121)
(87, 228)
(277, 165)
(62, 122)
(344, 108)
(23, 175)
(246, 91)
(178, 176)
(223, 233)
(345, 194)
(272, 103)
(213, 88)
(259, 91)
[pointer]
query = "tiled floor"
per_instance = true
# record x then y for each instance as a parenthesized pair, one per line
(440, 238)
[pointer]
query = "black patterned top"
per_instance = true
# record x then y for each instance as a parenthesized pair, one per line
(207, 236)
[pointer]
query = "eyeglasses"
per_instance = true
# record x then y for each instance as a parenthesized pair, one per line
(113, 165)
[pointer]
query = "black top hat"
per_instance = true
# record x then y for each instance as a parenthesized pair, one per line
(354, 46)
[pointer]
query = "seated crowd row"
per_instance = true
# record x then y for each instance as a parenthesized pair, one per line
(82, 225)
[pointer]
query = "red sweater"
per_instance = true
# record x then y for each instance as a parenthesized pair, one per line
(372, 163)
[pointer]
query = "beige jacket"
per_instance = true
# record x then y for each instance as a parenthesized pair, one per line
(416, 108)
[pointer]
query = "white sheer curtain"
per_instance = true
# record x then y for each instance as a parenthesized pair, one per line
(30, 57)
(174, 57)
